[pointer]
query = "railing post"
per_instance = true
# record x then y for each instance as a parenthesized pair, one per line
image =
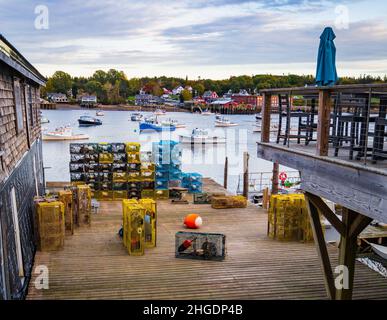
(266, 112)
(225, 173)
(324, 118)
(246, 174)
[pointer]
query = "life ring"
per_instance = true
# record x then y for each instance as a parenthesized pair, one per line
(283, 176)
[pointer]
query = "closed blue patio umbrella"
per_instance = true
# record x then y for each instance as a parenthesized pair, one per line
(326, 74)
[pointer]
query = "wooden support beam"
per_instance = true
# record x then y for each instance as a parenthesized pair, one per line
(324, 114)
(359, 224)
(327, 213)
(347, 255)
(321, 247)
(274, 187)
(266, 115)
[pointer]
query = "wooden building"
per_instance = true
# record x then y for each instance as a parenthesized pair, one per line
(21, 168)
(339, 147)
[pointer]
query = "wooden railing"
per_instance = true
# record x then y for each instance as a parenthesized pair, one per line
(326, 97)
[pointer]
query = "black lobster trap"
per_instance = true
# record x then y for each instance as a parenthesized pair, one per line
(201, 246)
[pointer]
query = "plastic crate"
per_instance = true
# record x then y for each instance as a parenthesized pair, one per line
(91, 158)
(105, 177)
(77, 167)
(50, 223)
(105, 167)
(150, 221)
(104, 147)
(147, 185)
(161, 184)
(201, 246)
(134, 166)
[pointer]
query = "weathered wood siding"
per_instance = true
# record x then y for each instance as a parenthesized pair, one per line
(15, 144)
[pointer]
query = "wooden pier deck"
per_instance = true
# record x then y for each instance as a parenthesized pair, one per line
(95, 265)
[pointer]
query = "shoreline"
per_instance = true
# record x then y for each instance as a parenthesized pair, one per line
(68, 106)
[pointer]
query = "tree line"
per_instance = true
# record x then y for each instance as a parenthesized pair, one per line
(113, 86)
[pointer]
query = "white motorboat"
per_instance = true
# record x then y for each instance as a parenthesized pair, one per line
(136, 116)
(201, 136)
(172, 122)
(159, 112)
(63, 133)
(379, 250)
(224, 122)
(44, 120)
(99, 114)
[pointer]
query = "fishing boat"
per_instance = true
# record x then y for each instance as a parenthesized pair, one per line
(379, 250)
(151, 125)
(99, 114)
(224, 122)
(89, 121)
(201, 136)
(44, 120)
(172, 122)
(136, 116)
(159, 112)
(63, 133)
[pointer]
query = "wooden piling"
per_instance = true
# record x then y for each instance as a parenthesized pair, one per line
(225, 173)
(274, 187)
(246, 174)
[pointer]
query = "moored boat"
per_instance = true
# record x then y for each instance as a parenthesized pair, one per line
(63, 133)
(206, 113)
(136, 116)
(224, 122)
(44, 120)
(201, 136)
(151, 127)
(172, 122)
(99, 114)
(89, 121)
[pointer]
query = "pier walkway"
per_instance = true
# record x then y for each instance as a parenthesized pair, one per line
(95, 265)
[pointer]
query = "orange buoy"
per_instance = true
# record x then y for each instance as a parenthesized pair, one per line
(193, 221)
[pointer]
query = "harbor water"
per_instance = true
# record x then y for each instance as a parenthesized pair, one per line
(207, 160)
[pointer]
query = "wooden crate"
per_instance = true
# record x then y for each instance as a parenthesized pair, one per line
(50, 222)
(66, 197)
(84, 205)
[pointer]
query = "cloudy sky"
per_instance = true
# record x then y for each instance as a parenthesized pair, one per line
(196, 38)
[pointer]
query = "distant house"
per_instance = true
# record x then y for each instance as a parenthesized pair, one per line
(210, 96)
(145, 99)
(223, 103)
(243, 97)
(88, 101)
(228, 94)
(177, 90)
(57, 97)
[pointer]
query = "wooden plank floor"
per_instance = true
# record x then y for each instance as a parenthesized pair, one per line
(95, 265)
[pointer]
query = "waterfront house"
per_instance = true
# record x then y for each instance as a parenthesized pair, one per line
(57, 97)
(21, 168)
(177, 91)
(88, 101)
(243, 97)
(210, 96)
